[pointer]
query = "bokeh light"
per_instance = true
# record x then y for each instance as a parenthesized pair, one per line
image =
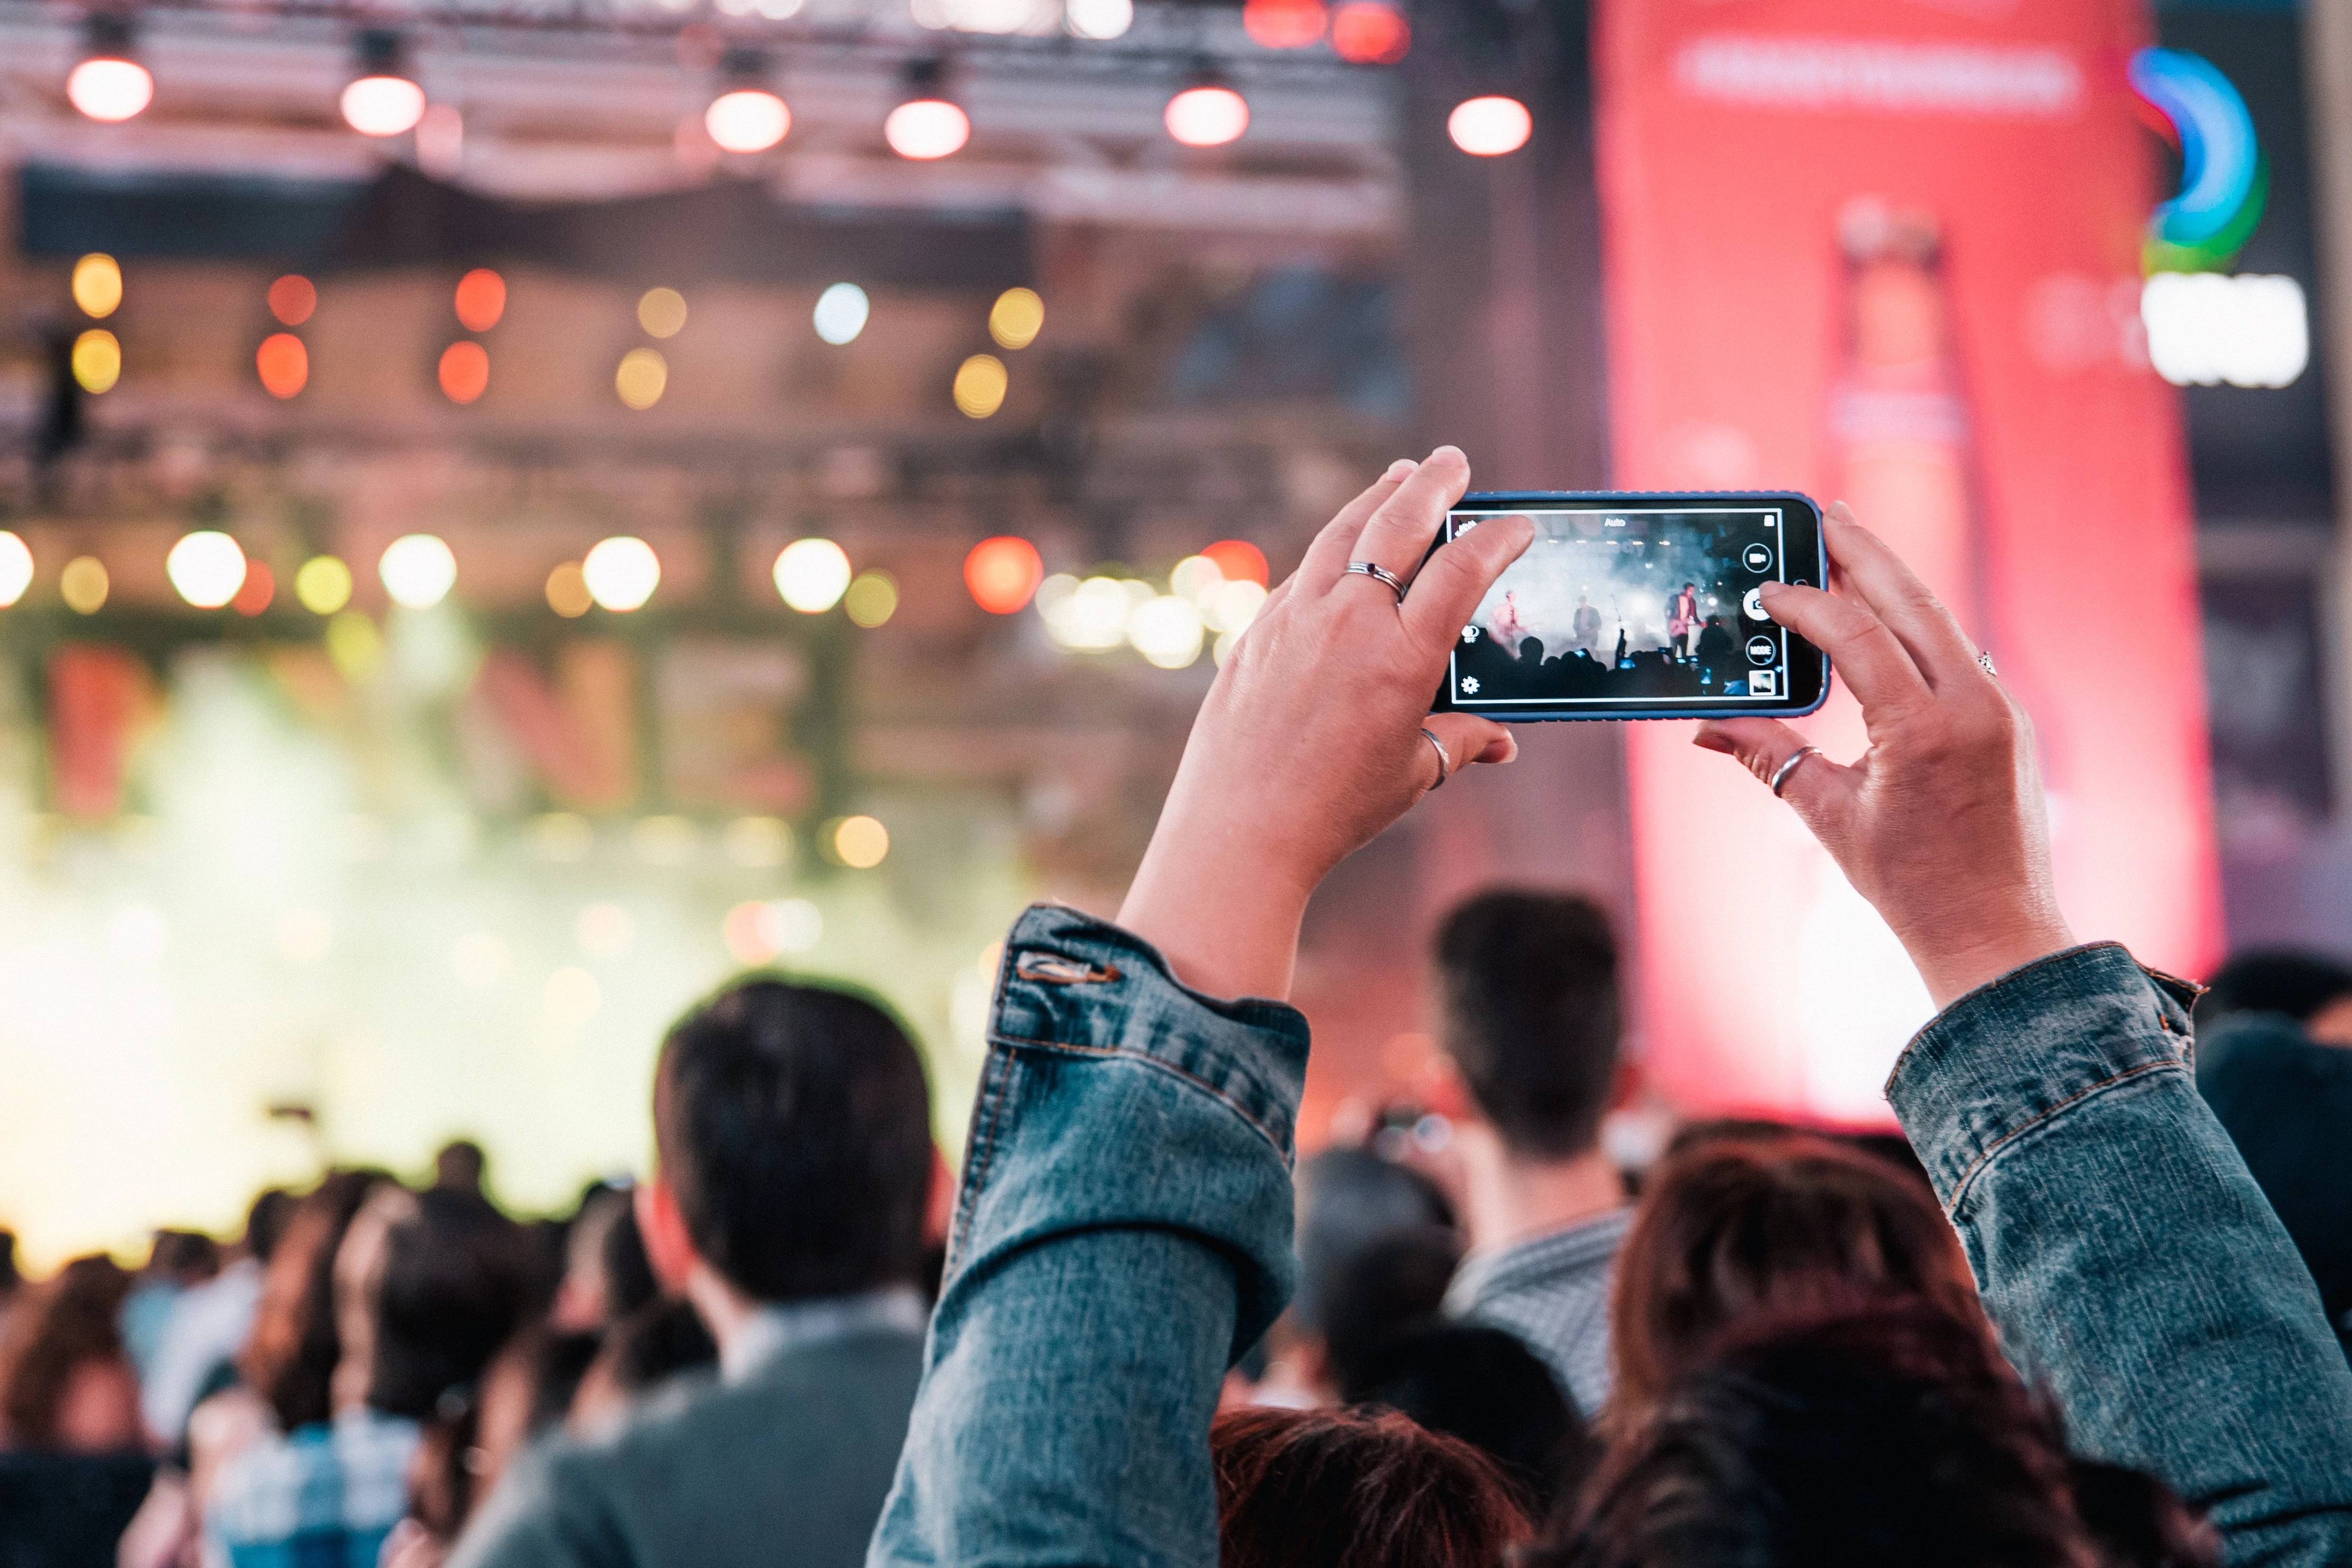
(109, 91)
(621, 572)
(83, 585)
(465, 370)
(16, 567)
(859, 842)
(97, 284)
(1098, 18)
(979, 384)
(641, 378)
(293, 299)
(206, 568)
(254, 594)
(1003, 573)
(1237, 559)
(480, 299)
(1207, 116)
(872, 598)
(749, 120)
(1091, 615)
(1370, 33)
(1283, 24)
(567, 592)
(383, 105)
(283, 364)
(323, 584)
(926, 128)
(419, 570)
(1166, 630)
(757, 933)
(604, 930)
(1017, 318)
(662, 312)
(572, 997)
(841, 312)
(812, 575)
(97, 360)
(1491, 126)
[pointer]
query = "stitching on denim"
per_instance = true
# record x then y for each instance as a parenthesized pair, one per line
(981, 1154)
(1942, 1013)
(1984, 1157)
(1122, 1052)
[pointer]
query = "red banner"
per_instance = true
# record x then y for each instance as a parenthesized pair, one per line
(1888, 250)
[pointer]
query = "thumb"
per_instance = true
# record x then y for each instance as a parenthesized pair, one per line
(1468, 738)
(1764, 746)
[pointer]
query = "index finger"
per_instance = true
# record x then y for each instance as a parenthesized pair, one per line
(1401, 527)
(1327, 556)
(1874, 662)
(1904, 605)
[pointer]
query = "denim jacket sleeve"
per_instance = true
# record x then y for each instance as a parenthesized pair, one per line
(1122, 1234)
(2132, 1265)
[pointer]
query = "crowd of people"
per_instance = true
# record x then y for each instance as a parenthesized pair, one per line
(2095, 1309)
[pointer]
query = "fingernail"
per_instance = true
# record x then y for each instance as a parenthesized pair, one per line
(1707, 740)
(1513, 755)
(1770, 589)
(1453, 452)
(1399, 471)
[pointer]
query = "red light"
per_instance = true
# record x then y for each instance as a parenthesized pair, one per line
(481, 300)
(1238, 558)
(1369, 33)
(1284, 24)
(283, 364)
(465, 371)
(293, 299)
(1003, 573)
(261, 586)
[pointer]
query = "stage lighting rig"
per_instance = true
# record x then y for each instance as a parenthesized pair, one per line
(747, 116)
(384, 98)
(927, 124)
(107, 85)
(1206, 111)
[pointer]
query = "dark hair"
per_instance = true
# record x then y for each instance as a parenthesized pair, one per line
(455, 1280)
(1768, 1223)
(1350, 1200)
(52, 1330)
(460, 1163)
(1390, 1288)
(1528, 1010)
(1483, 1385)
(1893, 1434)
(2275, 981)
(266, 1222)
(1355, 1488)
(9, 1276)
(184, 1257)
(289, 1357)
(658, 1341)
(629, 1281)
(793, 1123)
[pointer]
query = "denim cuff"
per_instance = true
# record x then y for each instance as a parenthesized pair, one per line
(2029, 1046)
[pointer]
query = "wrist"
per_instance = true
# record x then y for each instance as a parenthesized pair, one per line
(1223, 910)
(1951, 969)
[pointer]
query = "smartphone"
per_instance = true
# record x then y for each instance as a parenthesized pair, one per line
(1633, 605)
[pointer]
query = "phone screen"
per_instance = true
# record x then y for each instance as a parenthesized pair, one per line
(1631, 606)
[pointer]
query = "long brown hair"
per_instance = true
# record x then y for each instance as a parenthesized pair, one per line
(52, 1330)
(289, 1358)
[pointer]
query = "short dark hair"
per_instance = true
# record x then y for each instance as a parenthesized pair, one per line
(794, 1125)
(1528, 1010)
(266, 1222)
(1483, 1385)
(2275, 981)
(457, 1282)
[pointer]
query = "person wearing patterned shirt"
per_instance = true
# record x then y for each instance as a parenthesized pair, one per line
(1528, 1021)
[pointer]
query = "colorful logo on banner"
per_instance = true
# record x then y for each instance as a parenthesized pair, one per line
(2223, 177)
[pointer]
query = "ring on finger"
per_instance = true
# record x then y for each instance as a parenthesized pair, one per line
(1396, 586)
(1780, 774)
(1444, 762)
(1984, 661)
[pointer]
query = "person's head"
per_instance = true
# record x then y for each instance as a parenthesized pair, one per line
(1892, 1434)
(1759, 1223)
(1528, 1012)
(2313, 990)
(793, 1130)
(1394, 1286)
(265, 1223)
(1350, 1202)
(1355, 1488)
(460, 1165)
(181, 1257)
(9, 1277)
(1483, 1385)
(52, 1330)
(605, 1273)
(289, 1358)
(427, 1287)
(656, 1343)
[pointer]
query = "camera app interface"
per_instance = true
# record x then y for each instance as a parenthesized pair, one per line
(1647, 608)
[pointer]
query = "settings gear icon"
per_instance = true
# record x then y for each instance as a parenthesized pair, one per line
(1469, 685)
(1469, 633)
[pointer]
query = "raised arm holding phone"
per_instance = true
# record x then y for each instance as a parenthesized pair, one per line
(1124, 1225)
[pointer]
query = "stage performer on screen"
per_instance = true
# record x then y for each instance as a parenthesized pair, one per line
(1586, 625)
(1508, 629)
(1682, 619)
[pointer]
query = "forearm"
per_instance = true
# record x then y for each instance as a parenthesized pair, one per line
(2127, 1258)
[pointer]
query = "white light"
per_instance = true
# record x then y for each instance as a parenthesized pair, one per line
(812, 575)
(749, 120)
(841, 312)
(1166, 630)
(926, 128)
(1490, 127)
(206, 568)
(1089, 614)
(622, 572)
(792, 924)
(419, 570)
(1230, 606)
(2203, 329)
(16, 569)
(572, 997)
(111, 90)
(382, 106)
(1098, 18)
(1207, 116)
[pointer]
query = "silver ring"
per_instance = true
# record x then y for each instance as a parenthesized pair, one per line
(1396, 585)
(1984, 662)
(1780, 774)
(1444, 763)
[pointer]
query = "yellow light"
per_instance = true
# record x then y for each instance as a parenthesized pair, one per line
(97, 284)
(567, 592)
(979, 384)
(749, 120)
(206, 568)
(641, 378)
(97, 360)
(16, 569)
(1017, 319)
(109, 91)
(662, 312)
(355, 646)
(1166, 630)
(872, 599)
(759, 842)
(419, 570)
(621, 573)
(83, 585)
(383, 105)
(323, 584)
(860, 842)
(812, 575)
